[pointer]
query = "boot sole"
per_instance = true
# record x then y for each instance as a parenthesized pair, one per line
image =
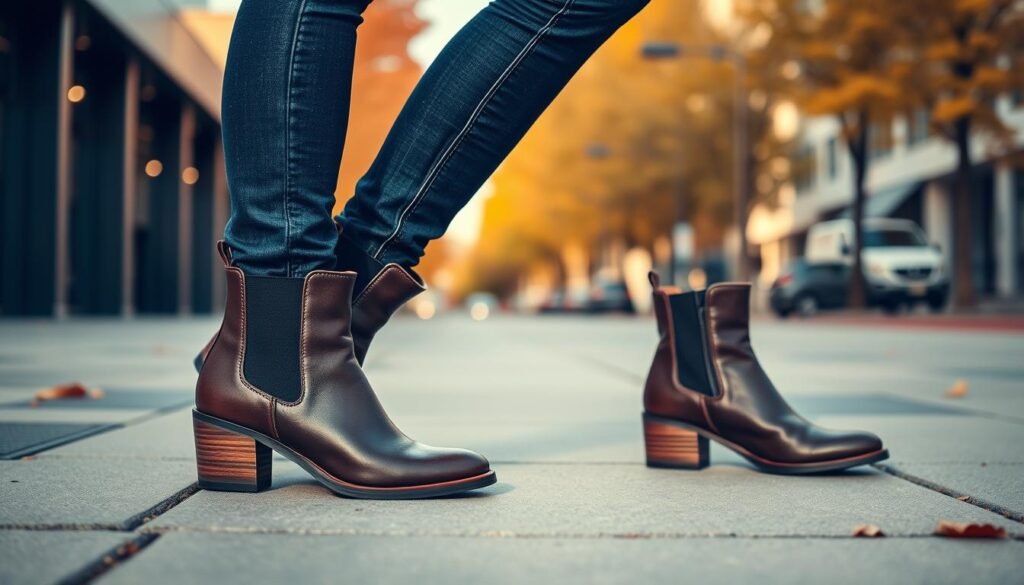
(231, 457)
(676, 445)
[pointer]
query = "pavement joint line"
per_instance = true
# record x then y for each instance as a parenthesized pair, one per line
(946, 491)
(116, 457)
(100, 429)
(973, 462)
(110, 560)
(967, 410)
(33, 450)
(567, 463)
(164, 530)
(133, 522)
(147, 515)
(154, 414)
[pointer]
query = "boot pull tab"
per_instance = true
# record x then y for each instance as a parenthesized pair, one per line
(654, 278)
(225, 253)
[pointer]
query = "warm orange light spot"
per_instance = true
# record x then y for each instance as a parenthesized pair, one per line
(190, 176)
(154, 168)
(83, 42)
(76, 94)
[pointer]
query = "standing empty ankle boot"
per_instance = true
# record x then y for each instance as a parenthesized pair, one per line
(380, 291)
(706, 383)
(282, 375)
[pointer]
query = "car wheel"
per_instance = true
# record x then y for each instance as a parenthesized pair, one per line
(781, 313)
(806, 305)
(936, 304)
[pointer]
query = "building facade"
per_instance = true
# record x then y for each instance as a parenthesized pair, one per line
(910, 176)
(112, 187)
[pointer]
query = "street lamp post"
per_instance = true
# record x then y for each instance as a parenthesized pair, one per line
(672, 50)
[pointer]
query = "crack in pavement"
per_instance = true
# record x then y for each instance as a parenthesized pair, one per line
(110, 560)
(123, 552)
(946, 491)
(129, 524)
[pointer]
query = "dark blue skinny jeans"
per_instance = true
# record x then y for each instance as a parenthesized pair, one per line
(285, 111)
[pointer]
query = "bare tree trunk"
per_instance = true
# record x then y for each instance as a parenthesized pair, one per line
(857, 141)
(963, 275)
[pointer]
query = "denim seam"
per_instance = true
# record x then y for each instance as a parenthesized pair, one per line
(288, 140)
(474, 116)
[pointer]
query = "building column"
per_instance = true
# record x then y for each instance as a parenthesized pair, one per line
(1006, 237)
(938, 219)
(130, 162)
(28, 157)
(186, 156)
(65, 73)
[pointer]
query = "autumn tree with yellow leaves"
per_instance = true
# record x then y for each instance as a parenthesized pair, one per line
(868, 61)
(840, 58)
(968, 53)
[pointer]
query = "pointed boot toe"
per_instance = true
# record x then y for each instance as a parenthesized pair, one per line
(448, 464)
(849, 445)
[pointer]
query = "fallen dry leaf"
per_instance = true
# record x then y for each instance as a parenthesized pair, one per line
(957, 390)
(964, 498)
(70, 390)
(969, 530)
(867, 531)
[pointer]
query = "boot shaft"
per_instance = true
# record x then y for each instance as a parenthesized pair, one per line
(685, 343)
(275, 330)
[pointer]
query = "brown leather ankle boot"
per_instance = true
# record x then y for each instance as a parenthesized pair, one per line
(706, 383)
(282, 375)
(385, 290)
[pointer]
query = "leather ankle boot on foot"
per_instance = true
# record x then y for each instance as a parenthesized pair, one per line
(380, 291)
(282, 375)
(706, 383)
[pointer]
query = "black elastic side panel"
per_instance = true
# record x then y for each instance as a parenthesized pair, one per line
(688, 326)
(273, 308)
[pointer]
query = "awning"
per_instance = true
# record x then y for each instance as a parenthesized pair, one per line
(883, 202)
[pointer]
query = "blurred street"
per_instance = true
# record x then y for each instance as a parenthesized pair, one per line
(554, 402)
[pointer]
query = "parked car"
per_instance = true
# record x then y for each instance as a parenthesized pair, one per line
(805, 288)
(609, 296)
(900, 266)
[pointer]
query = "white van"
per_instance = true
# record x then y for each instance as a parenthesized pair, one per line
(900, 266)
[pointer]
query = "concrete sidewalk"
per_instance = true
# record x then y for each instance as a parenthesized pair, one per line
(555, 404)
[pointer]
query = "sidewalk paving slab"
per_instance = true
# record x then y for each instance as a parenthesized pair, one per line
(282, 558)
(35, 556)
(555, 405)
(589, 500)
(86, 493)
(167, 436)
